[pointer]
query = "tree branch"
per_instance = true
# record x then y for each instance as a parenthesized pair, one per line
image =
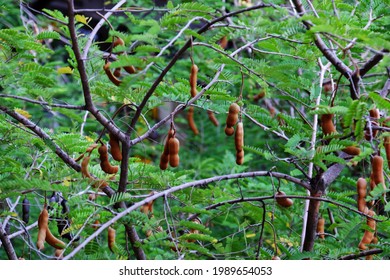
(9, 249)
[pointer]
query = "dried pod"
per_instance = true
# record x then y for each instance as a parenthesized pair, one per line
(43, 220)
(54, 241)
(115, 147)
(369, 235)
(352, 150)
(104, 163)
(212, 118)
(110, 75)
(164, 159)
(239, 137)
(111, 238)
(362, 192)
(174, 146)
(117, 72)
(229, 130)
(25, 210)
(327, 124)
(191, 122)
(84, 167)
(321, 228)
(193, 79)
(283, 201)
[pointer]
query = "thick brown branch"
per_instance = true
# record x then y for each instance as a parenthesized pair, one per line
(9, 249)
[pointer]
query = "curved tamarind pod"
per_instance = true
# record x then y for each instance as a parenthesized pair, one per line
(117, 72)
(118, 42)
(84, 167)
(321, 228)
(53, 241)
(362, 192)
(130, 69)
(191, 122)
(110, 75)
(212, 118)
(115, 147)
(239, 137)
(174, 146)
(352, 150)
(193, 79)
(25, 210)
(111, 238)
(43, 221)
(369, 235)
(104, 163)
(327, 124)
(283, 201)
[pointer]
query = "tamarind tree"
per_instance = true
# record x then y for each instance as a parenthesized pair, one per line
(195, 130)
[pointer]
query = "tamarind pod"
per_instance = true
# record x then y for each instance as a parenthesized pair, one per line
(104, 163)
(110, 75)
(130, 69)
(362, 192)
(377, 170)
(369, 235)
(240, 157)
(59, 253)
(53, 241)
(386, 145)
(327, 124)
(374, 114)
(193, 79)
(118, 42)
(43, 221)
(174, 146)
(212, 118)
(174, 160)
(223, 42)
(229, 130)
(117, 72)
(321, 228)
(84, 167)
(96, 224)
(259, 96)
(115, 147)
(234, 108)
(164, 160)
(25, 210)
(196, 220)
(148, 207)
(352, 150)
(191, 122)
(111, 238)
(283, 201)
(239, 137)
(231, 120)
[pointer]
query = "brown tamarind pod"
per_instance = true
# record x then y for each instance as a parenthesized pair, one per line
(259, 96)
(174, 146)
(53, 241)
(240, 157)
(352, 150)
(232, 116)
(193, 79)
(191, 122)
(321, 228)
(223, 42)
(84, 167)
(25, 210)
(283, 201)
(374, 115)
(111, 238)
(117, 72)
(239, 136)
(104, 163)
(229, 130)
(116, 152)
(43, 220)
(130, 69)
(377, 170)
(58, 253)
(147, 208)
(164, 158)
(118, 42)
(91, 147)
(195, 220)
(212, 118)
(110, 75)
(369, 235)
(362, 192)
(327, 124)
